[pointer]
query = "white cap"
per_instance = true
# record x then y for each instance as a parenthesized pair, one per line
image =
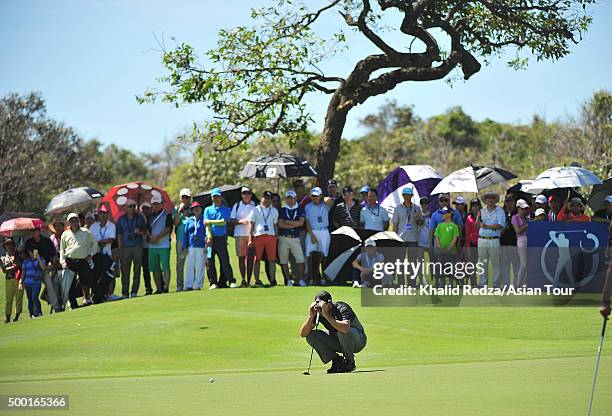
(290, 193)
(608, 199)
(521, 203)
(145, 204)
(540, 211)
(185, 191)
(157, 199)
(245, 189)
(316, 191)
(370, 243)
(541, 199)
(71, 216)
(459, 200)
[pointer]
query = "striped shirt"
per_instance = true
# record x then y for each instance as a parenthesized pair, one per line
(497, 216)
(343, 216)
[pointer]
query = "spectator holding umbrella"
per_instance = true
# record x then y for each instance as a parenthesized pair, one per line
(520, 224)
(216, 218)
(105, 233)
(576, 213)
(239, 217)
(77, 247)
(194, 247)
(491, 221)
(557, 208)
(131, 228)
(160, 226)
(181, 214)
(264, 229)
(407, 220)
(33, 266)
(11, 267)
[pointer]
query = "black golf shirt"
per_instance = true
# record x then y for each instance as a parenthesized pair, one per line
(342, 311)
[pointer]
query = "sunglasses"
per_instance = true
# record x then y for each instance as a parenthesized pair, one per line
(132, 206)
(443, 200)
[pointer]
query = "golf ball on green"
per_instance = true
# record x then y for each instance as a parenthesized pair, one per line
(211, 380)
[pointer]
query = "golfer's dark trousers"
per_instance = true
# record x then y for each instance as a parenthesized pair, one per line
(219, 249)
(329, 345)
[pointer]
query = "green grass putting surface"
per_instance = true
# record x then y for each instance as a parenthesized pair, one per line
(155, 355)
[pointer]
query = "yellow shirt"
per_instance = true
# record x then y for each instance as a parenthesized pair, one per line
(77, 245)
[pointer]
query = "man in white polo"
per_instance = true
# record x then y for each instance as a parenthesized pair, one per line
(239, 218)
(491, 222)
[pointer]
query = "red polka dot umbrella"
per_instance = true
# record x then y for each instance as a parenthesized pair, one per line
(117, 197)
(20, 226)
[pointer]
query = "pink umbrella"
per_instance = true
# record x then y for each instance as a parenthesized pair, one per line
(20, 226)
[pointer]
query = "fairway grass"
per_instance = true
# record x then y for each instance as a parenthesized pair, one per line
(155, 355)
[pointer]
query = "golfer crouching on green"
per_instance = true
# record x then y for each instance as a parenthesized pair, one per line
(345, 333)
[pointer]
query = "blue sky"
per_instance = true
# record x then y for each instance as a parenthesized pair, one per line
(91, 58)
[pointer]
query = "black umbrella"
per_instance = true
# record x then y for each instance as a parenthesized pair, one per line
(346, 244)
(277, 166)
(230, 193)
(75, 199)
(599, 193)
(518, 193)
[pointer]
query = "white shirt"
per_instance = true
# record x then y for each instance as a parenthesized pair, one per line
(265, 219)
(109, 230)
(240, 211)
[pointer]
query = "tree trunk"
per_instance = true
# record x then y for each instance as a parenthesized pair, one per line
(329, 147)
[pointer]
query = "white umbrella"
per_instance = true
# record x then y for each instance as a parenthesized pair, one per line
(472, 179)
(562, 177)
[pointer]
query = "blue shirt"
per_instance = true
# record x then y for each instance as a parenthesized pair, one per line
(291, 215)
(126, 228)
(213, 212)
(497, 216)
(437, 218)
(374, 218)
(32, 272)
(317, 215)
(194, 233)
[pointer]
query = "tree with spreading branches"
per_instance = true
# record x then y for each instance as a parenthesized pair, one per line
(256, 78)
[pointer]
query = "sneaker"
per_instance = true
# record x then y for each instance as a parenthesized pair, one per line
(337, 363)
(289, 283)
(365, 285)
(112, 297)
(356, 284)
(301, 283)
(233, 286)
(212, 287)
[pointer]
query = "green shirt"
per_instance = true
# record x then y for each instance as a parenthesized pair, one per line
(446, 232)
(180, 229)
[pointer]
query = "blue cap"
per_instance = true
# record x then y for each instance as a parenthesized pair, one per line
(407, 191)
(215, 192)
(364, 188)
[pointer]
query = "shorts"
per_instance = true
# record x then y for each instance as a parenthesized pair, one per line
(159, 259)
(290, 245)
(323, 239)
(242, 245)
(267, 243)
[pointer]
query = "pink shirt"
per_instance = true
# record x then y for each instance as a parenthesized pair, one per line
(519, 221)
(471, 232)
